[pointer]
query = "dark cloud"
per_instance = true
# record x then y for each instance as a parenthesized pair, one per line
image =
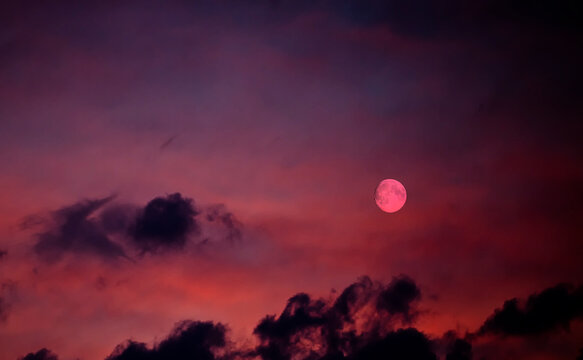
(96, 226)
(42, 354)
(460, 349)
(348, 328)
(189, 340)
(165, 222)
(307, 329)
(398, 297)
(351, 327)
(3, 253)
(74, 231)
(205, 340)
(279, 336)
(403, 344)
(353, 297)
(451, 347)
(455, 18)
(301, 312)
(117, 218)
(344, 329)
(553, 308)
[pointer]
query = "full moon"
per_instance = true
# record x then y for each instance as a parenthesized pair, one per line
(390, 195)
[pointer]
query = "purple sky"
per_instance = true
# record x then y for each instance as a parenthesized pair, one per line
(275, 121)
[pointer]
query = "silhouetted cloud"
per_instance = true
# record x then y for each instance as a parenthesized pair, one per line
(278, 335)
(451, 347)
(357, 293)
(165, 222)
(74, 231)
(344, 327)
(42, 354)
(403, 344)
(398, 297)
(3, 253)
(189, 340)
(306, 329)
(460, 349)
(350, 327)
(553, 308)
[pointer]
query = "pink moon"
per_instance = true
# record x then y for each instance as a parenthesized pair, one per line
(390, 195)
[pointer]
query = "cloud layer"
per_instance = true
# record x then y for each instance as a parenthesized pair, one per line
(42, 354)
(551, 309)
(188, 340)
(74, 231)
(109, 230)
(356, 325)
(165, 223)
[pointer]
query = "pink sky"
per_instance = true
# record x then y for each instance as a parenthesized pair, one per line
(290, 120)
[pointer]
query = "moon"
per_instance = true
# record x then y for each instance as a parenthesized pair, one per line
(390, 195)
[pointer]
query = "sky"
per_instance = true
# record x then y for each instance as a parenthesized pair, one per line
(195, 180)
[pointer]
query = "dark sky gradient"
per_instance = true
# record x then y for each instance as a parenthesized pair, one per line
(165, 161)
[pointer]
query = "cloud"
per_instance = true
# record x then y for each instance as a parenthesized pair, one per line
(279, 335)
(353, 298)
(307, 328)
(451, 347)
(165, 222)
(74, 231)
(101, 227)
(3, 253)
(117, 218)
(219, 214)
(551, 309)
(398, 297)
(403, 344)
(460, 349)
(189, 340)
(42, 354)
(350, 327)
(359, 320)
